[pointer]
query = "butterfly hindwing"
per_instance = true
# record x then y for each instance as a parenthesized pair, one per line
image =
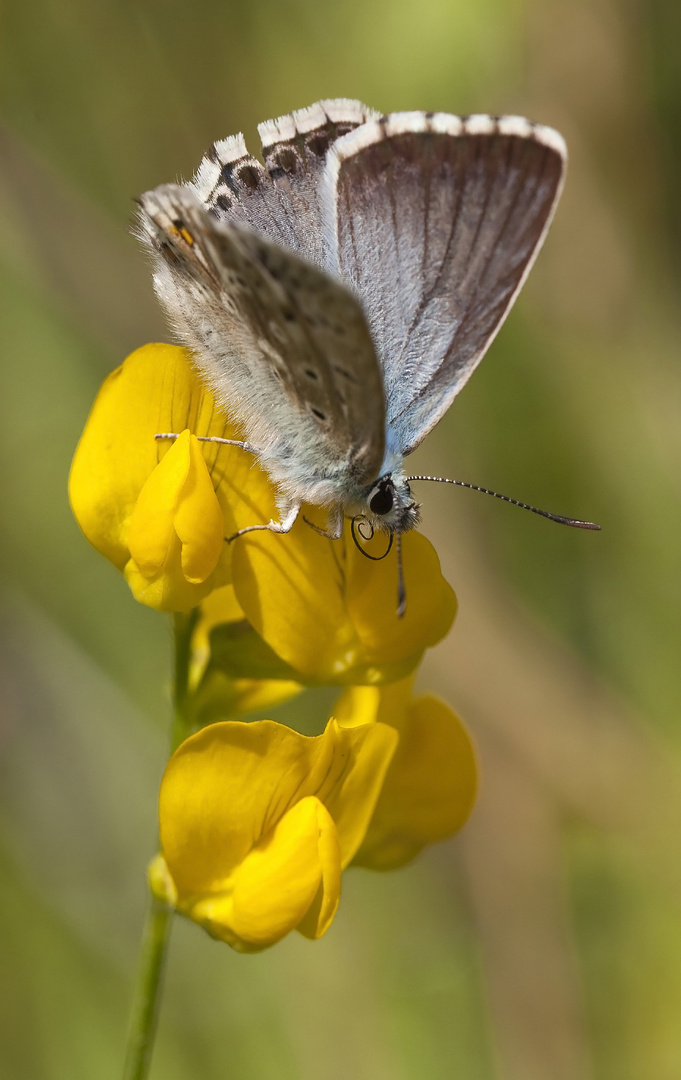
(284, 346)
(435, 221)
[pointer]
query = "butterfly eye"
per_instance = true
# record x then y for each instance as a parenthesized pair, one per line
(381, 502)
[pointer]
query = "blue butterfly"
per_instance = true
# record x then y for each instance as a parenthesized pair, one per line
(338, 297)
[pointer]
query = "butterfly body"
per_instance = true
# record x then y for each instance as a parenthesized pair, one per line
(338, 297)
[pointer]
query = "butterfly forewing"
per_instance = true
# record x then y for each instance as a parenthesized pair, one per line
(280, 199)
(284, 346)
(435, 221)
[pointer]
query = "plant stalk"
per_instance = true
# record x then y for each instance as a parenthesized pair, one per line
(156, 934)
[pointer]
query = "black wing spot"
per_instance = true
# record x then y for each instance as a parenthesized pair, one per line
(287, 159)
(248, 176)
(223, 202)
(318, 143)
(318, 414)
(311, 373)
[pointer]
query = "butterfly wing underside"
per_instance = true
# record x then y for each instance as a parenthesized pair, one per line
(285, 347)
(280, 199)
(435, 221)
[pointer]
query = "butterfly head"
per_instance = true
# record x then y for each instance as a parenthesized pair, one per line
(390, 506)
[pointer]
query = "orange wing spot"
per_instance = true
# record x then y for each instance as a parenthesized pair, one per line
(183, 232)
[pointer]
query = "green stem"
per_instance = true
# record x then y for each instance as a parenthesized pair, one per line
(147, 998)
(155, 938)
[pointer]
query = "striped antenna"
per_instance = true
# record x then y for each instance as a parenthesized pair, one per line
(573, 522)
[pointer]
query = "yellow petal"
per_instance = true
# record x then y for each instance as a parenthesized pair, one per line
(220, 607)
(198, 521)
(291, 880)
(331, 613)
(289, 588)
(348, 775)
(176, 531)
(218, 694)
(151, 536)
(389, 704)
(278, 882)
(429, 790)
(156, 390)
(226, 788)
(372, 600)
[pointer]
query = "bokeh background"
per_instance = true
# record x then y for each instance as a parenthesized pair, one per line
(545, 941)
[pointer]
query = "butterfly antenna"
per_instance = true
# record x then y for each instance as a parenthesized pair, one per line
(401, 591)
(573, 522)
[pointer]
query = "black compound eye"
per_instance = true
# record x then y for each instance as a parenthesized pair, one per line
(381, 502)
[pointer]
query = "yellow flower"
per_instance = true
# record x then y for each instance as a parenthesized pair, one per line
(257, 822)
(160, 509)
(218, 687)
(430, 787)
(151, 506)
(331, 613)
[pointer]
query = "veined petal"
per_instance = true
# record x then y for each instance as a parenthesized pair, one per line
(372, 601)
(430, 787)
(156, 390)
(279, 881)
(152, 532)
(389, 704)
(331, 613)
(198, 520)
(348, 774)
(227, 786)
(218, 693)
(290, 881)
(231, 822)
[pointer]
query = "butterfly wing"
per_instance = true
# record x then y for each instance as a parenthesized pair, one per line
(285, 347)
(435, 221)
(280, 199)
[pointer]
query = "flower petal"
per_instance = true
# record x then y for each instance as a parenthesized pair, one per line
(331, 613)
(156, 390)
(277, 883)
(348, 775)
(226, 788)
(198, 521)
(429, 790)
(230, 675)
(151, 534)
(372, 601)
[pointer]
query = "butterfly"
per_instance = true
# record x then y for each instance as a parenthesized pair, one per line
(337, 297)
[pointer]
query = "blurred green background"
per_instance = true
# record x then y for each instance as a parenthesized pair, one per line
(545, 941)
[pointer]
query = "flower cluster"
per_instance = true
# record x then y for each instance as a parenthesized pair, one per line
(257, 821)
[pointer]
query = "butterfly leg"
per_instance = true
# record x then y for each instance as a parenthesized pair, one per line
(212, 438)
(274, 526)
(335, 523)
